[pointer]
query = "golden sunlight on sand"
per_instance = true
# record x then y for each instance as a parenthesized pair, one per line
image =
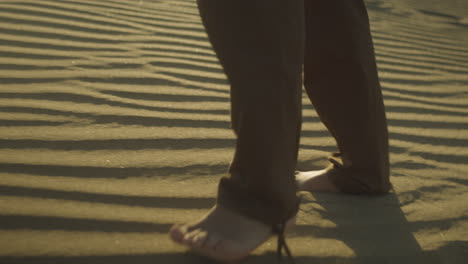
(114, 124)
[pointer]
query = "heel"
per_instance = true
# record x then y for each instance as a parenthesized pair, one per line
(279, 231)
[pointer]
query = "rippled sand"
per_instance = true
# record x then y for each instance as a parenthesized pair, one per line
(114, 124)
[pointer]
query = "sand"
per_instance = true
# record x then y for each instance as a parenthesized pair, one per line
(114, 124)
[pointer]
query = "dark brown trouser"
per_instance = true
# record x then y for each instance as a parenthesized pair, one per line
(262, 46)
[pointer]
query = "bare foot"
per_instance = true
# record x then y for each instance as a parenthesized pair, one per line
(222, 235)
(315, 181)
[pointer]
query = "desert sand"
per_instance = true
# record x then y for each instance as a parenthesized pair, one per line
(114, 124)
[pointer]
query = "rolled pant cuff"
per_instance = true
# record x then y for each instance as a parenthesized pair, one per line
(233, 198)
(350, 180)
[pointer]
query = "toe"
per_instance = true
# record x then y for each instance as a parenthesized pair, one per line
(177, 233)
(200, 239)
(211, 241)
(189, 237)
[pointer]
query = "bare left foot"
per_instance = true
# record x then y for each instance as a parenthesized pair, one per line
(222, 235)
(315, 181)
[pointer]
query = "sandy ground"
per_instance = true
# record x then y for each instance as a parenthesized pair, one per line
(114, 123)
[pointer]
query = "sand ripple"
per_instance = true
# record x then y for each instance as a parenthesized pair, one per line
(114, 123)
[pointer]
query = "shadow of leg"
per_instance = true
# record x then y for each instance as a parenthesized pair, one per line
(373, 227)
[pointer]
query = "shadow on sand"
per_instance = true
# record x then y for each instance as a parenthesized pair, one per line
(374, 228)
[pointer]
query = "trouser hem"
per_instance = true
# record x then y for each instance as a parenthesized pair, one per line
(350, 180)
(233, 198)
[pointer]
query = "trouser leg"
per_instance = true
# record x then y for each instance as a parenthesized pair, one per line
(260, 45)
(340, 77)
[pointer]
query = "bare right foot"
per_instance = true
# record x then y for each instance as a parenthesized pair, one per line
(222, 235)
(315, 181)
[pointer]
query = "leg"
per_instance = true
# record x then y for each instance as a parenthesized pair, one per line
(260, 46)
(340, 77)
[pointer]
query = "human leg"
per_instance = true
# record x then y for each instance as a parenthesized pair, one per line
(340, 76)
(260, 45)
